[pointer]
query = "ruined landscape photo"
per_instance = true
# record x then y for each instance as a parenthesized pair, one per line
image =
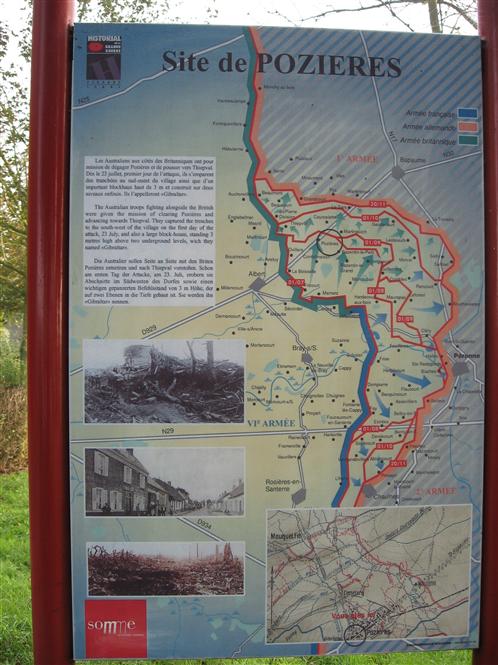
(168, 381)
(166, 569)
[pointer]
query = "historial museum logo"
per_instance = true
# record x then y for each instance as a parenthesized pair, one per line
(103, 58)
(116, 628)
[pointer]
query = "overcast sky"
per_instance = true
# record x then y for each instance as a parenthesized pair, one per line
(174, 550)
(274, 12)
(105, 353)
(204, 472)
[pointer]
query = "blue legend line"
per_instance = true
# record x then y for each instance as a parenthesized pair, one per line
(468, 113)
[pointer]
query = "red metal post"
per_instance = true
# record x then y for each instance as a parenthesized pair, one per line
(47, 332)
(487, 654)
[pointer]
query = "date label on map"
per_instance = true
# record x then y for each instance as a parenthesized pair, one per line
(398, 462)
(293, 281)
(370, 218)
(404, 318)
(377, 203)
(372, 242)
(370, 428)
(374, 290)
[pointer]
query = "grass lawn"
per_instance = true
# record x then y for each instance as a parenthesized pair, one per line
(15, 613)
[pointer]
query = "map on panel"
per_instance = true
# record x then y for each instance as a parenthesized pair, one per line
(276, 341)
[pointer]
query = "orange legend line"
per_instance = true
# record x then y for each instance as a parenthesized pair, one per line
(468, 126)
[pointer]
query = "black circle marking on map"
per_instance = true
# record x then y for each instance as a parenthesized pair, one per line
(339, 241)
(355, 635)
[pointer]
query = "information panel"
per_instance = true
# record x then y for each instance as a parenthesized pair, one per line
(276, 341)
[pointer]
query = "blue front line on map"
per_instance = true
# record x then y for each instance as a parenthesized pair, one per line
(343, 309)
(372, 350)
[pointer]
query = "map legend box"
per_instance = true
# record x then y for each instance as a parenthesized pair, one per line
(468, 139)
(467, 113)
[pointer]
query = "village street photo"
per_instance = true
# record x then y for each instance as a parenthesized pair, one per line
(166, 381)
(164, 482)
(166, 569)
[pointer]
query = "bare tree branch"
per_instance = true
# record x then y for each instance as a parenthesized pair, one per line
(387, 5)
(378, 5)
(435, 7)
(464, 14)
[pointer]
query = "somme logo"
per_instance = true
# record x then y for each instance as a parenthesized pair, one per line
(116, 628)
(113, 627)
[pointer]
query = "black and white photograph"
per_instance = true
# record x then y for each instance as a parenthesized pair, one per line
(166, 569)
(165, 381)
(164, 482)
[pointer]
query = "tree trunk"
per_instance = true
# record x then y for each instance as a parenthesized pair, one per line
(192, 356)
(210, 359)
(434, 15)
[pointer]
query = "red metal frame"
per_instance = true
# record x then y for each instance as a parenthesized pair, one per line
(487, 654)
(47, 340)
(47, 332)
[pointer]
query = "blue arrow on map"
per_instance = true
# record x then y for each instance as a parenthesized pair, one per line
(342, 259)
(417, 276)
(409, 250)
(368, 261)
(380, 318)
(422, 382)
(363, 449)
(385, 410)
(339, 219)
(436, 308)
(394, 271)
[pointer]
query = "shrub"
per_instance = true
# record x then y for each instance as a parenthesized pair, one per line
(13, 445)
(12, 368)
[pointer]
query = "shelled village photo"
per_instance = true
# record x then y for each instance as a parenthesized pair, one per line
(167, 381)
(162, 482)
(166, 569)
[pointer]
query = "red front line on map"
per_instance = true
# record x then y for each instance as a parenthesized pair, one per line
(395, 210)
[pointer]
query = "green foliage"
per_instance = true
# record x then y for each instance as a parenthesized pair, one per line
(122, 11)
(12, 368)
(15, 615)
(13, 185)
(13, 444)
